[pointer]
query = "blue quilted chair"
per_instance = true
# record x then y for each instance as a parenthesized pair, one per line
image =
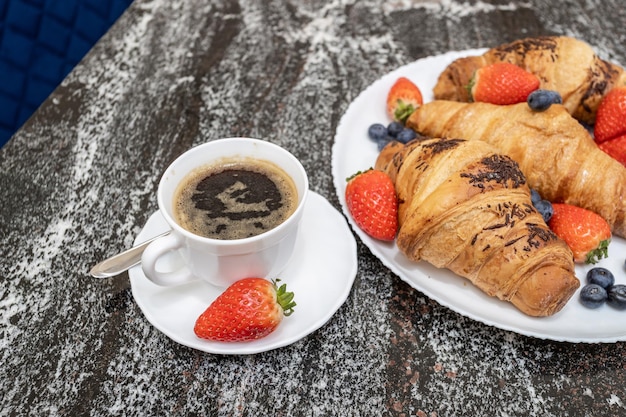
(40, 42)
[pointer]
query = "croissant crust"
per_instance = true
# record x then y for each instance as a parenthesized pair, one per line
(466, 207)
(561, 63)
(556, 154)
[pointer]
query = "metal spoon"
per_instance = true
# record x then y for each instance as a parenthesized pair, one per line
(123, 261)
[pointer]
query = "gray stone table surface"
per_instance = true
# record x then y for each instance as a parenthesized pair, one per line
(78, 182)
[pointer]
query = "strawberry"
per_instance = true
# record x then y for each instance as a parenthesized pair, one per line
(249, 309)
(502, 83)
(616, 148)
(372, 203)
(586, 233)
(611, 116)
(403, 99)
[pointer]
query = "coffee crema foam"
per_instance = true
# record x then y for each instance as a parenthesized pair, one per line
(234, 199)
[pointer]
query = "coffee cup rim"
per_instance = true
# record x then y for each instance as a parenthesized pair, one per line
(302, 194)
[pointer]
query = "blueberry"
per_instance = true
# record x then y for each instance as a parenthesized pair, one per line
(534, 196)
(540, 100)
(383, 142)
(601, 276)
(593, 296)
(544, 207)
(394, 128)
(617, 296)
(406, 135)
(377, 132)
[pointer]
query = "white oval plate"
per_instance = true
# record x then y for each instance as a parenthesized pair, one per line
(320, 274)
(353, 151)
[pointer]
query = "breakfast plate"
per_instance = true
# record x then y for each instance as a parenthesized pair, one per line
(320, 274)
(353, 151)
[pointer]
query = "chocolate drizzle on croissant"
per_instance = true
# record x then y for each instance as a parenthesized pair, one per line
(441, 146)
(500, 168)
(546, 44)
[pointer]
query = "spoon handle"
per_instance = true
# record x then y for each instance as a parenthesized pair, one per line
(123, 261)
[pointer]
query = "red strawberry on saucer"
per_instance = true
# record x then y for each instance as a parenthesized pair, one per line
(249, 309)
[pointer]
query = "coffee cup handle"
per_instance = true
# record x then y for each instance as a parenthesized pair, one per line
(156, 250)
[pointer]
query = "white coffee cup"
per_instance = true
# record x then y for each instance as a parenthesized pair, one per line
(223, 262)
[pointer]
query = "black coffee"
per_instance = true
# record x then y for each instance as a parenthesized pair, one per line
(235, 199)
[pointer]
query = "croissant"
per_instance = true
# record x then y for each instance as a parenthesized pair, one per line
(561, 63)
(557, 155)
(465, 207)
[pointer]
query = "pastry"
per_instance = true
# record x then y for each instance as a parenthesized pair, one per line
(556, 154)
(561, 63)
(466, 207)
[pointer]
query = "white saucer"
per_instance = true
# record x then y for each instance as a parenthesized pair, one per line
(320, 274)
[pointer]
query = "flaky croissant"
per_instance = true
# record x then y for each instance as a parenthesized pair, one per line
(465, 207)
(563, 64)
(556, 154)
